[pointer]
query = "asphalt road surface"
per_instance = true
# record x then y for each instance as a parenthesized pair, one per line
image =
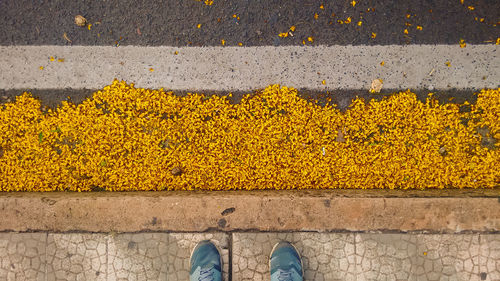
(251, 23)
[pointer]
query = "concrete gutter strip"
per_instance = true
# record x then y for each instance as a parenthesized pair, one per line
(249, 68)
(322, 211)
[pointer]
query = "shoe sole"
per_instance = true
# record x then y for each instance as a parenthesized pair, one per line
(298, 253)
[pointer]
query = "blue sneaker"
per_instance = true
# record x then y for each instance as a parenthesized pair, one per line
(205, 263)
(285, 263)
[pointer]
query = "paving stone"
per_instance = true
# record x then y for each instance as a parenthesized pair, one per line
(489, 259)
(180, 246)
(417, 257)
(325, 256)
(76, 256)
(137, 257)
(22, 256)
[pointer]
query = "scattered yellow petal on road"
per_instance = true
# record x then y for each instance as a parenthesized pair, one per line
(462, 43)
(374, 35)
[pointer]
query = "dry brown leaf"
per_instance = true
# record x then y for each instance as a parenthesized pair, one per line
(376, 86)
(66, 37)
(340, 136)
(80, 20)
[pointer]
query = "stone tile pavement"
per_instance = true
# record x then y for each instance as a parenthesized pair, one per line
(326, 256)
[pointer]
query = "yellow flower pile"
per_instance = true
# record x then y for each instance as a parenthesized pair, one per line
(127, 138)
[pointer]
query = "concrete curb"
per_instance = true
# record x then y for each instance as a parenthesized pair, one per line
(321, 210)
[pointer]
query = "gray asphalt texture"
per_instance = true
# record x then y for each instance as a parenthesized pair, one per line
(174, 22)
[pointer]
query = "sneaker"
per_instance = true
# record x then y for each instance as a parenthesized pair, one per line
(205, 263)
(285, 263)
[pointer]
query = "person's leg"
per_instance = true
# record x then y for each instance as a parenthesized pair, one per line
(285, 263)
(205, 263)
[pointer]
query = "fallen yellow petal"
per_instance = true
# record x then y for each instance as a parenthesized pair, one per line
(462, 43)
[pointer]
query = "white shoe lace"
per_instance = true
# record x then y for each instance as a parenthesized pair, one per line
(285, 275)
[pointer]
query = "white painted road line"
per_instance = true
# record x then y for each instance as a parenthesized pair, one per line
(247, 68)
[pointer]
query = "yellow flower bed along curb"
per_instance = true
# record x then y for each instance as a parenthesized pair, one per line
(127, 138)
